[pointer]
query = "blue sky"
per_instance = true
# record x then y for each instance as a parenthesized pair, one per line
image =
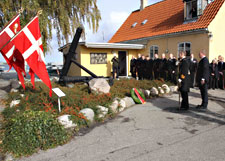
(113, 13)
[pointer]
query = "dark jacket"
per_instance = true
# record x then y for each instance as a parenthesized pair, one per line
(214, 70)
(184, 75)
(193, 65)
(171, 65)
(156, 64)
(221, 66)
(203, 70)
(115, 62)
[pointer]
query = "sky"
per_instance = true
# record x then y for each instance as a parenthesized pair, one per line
(113, 14)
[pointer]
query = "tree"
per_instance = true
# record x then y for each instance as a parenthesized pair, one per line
(63, 15)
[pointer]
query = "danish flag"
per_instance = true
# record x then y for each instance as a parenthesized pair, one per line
(28, 42)
(12, 56)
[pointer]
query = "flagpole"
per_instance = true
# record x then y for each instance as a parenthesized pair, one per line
(38, 13)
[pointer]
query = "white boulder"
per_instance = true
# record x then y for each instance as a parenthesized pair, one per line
(103, 111)
(147, 93)
(13, 90)
(128, 101)
(114, 106)
(14, 103)
(88, 113)
(5, 85)
(3, 94)
(122, 105)
(166, 88)
(154, 91)
(66, 122)
(161, 91)
(14, 84)
(99, 85)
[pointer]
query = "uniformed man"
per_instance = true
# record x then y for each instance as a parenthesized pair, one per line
(184, 80)
(138, 66)
(163, 67)
(143, 68)
(156, 67)
(133, 67)
(221, 69)
(193, 69)
(149, 67)
(172, 69)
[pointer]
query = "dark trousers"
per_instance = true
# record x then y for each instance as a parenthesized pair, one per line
(192, 74)
(204, 94)
(116, 70)
(185, 102)
(221, 81)
(156, 74)
(213, 82)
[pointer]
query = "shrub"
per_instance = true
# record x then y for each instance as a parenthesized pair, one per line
(30, 131)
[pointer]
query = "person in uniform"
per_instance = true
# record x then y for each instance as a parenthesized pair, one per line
(133, 67)
(138, 66)
(149, 67)
(193, 69)
(115, 66)
(202, 79)
(156, 67)
(143, 68)
(184, 80)
(163, 67)
(221, 69)
(213, 79)
(172, 69)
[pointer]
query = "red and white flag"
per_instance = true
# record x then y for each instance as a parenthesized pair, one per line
(29, 43)
(12, 56)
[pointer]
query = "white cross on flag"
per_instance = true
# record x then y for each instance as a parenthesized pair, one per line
(12, 56)
(28, 42)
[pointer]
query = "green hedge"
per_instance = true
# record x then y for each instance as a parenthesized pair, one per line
(30, 131)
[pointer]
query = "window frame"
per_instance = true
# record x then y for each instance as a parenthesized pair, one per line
(153, 49)
(184, 42)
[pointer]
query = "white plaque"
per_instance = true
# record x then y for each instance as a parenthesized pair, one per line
(58, 92)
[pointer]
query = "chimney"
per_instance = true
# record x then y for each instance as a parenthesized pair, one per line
(144, 3)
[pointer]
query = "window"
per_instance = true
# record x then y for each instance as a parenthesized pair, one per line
(185, 46)
(195, 8)
(144, 22)
(134, 24)
(98, 58)
(191, 9)
(153, 50)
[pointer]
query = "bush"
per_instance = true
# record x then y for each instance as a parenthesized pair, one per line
(30, 131)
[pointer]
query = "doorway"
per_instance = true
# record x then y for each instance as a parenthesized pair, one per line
(122, 63)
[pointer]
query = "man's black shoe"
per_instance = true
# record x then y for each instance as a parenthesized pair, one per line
(183, 108)
(201, 108)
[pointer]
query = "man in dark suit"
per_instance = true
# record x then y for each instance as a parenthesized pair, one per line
(193, 69)
(202, 79)
(156, 67)
(172, 69)
(184, 80)
(213, 78)
(149, 67)
(163, 67)
(221, 69)
(138, 66)
(133, 67)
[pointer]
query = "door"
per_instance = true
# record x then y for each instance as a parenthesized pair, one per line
(122, 63)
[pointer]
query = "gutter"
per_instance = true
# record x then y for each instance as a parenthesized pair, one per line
(189, 32)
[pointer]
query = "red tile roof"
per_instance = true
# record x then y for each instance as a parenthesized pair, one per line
(164, 17)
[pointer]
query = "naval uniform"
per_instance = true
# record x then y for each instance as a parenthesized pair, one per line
(184, 88)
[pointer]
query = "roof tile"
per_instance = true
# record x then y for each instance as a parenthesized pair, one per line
(163, 18)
